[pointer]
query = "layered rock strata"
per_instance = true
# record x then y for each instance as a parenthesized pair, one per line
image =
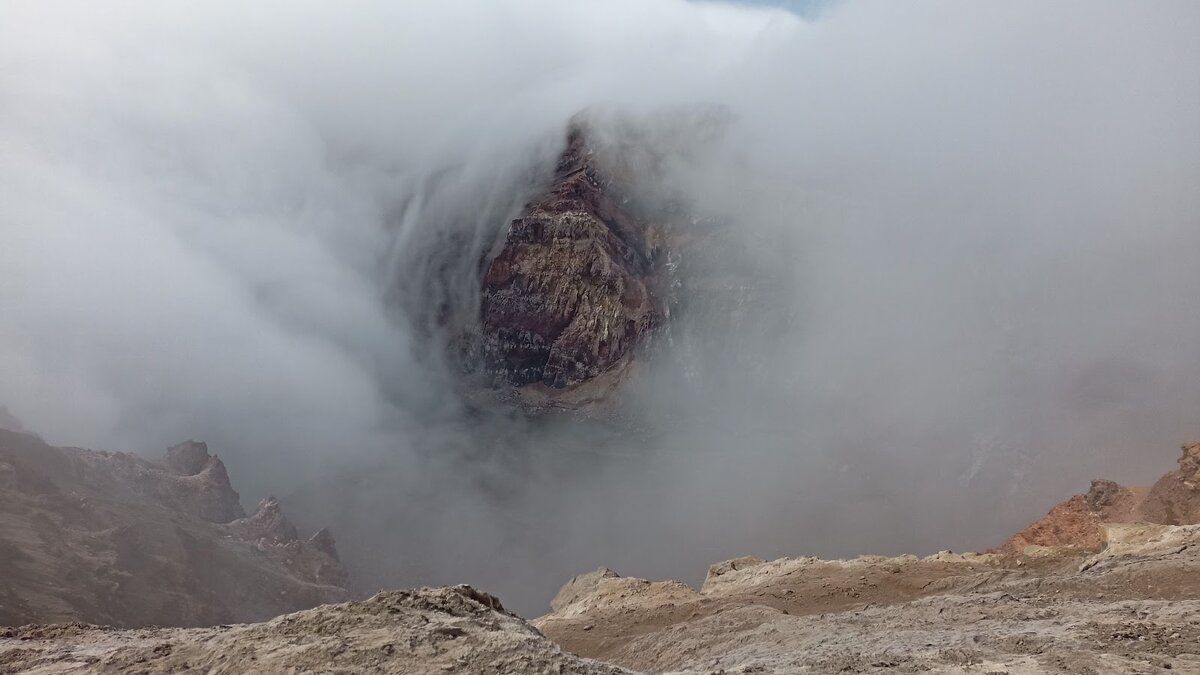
(573, 289)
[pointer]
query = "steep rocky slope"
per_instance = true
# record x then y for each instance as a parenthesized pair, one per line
(116, 539)
(429, 630)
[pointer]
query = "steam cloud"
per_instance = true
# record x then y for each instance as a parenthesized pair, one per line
(963, 236)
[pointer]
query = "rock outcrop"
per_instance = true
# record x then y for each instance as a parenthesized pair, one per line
(574, 288)
(314, 559)
(268, 524)
(579, 586)
(194, 482)
(429, 630)
(1079, 522)
(116, 539)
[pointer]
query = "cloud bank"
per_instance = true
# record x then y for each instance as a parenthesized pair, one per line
(958, 253)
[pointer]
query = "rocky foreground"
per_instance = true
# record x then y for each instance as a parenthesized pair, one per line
(429, 630)
(1133, 608)
(1107, 582)
(1094, 587)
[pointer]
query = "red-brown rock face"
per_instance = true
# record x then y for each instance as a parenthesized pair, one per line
(1079, 523)
(572, 291)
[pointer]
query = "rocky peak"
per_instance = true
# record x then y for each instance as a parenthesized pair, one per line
(195, 482)
(314, 559)
(579, 586)
(323, 540)
(188, 458)
(1189, 461)
(1102, 493)
(268, 523)
(573, 289)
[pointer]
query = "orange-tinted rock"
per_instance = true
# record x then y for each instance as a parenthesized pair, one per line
(1078, 523)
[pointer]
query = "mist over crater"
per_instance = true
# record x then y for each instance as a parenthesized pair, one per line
(930, 270)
